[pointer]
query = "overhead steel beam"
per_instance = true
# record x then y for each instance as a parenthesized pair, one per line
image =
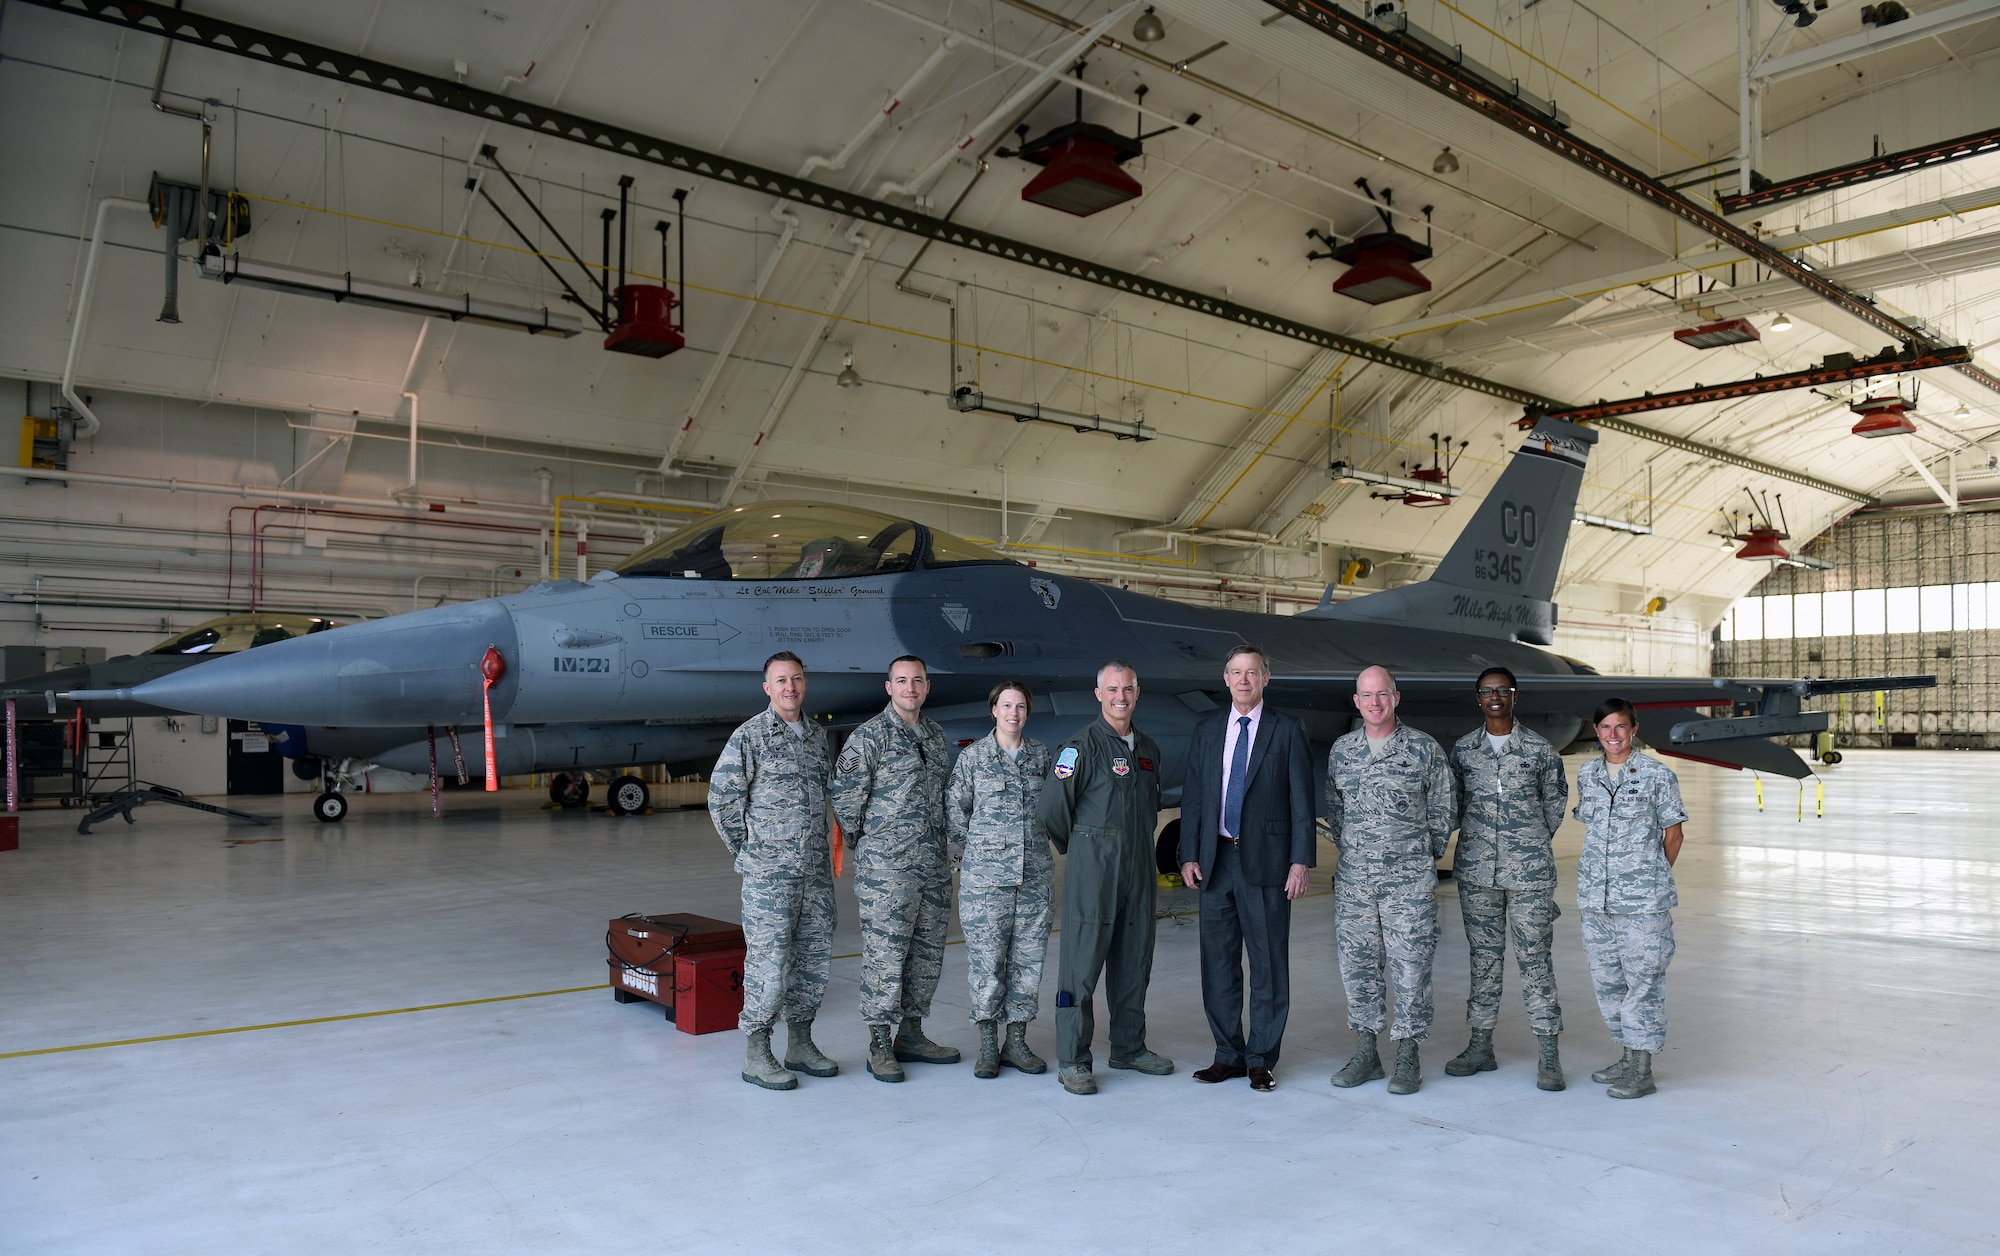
(342, 67)
(293, 54)
(1417, 61)
(1873, 168)
(1832, 372)
(1682, 443)
(1870, 39)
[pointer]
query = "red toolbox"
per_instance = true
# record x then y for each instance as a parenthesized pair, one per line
(708, 991)
(645, 952)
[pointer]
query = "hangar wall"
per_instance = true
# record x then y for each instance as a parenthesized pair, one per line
(1913, 590)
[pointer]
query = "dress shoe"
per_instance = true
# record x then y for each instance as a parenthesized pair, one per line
(1261, 1079)
(1218, 1072)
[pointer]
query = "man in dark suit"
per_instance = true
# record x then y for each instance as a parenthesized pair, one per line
(1246, 844)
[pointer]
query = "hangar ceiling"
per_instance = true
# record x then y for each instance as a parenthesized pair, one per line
(1546, 278)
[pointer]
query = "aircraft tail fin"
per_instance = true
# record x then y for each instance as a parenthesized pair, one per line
(1499, 577)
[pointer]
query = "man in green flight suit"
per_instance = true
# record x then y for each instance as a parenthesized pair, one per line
(1099, 808)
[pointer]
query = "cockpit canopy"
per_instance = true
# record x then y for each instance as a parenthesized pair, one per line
(801, 541)
(234, 633)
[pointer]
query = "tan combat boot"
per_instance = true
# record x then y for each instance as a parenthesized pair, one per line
(1637, 1082)
(760, 1067)
(801, 1053)
(882, 1064)
(1016, 1053)
(989, 1051)
(913, 1048)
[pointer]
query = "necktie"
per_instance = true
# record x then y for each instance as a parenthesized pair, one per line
(1239, 772)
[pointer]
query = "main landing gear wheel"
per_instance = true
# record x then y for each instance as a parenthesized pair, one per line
(568, 792)
(330, 807)
(1167, 851)
(1830, 758)
(628, 796)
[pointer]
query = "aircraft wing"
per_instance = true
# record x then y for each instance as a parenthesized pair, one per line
(1679, 713)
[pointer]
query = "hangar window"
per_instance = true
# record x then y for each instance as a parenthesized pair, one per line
(1864, 612)
(799, 541)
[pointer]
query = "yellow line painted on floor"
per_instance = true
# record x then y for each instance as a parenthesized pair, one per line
(312, 1020)
(394, 1011)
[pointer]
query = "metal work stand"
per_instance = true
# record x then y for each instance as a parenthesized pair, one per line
(145, 792)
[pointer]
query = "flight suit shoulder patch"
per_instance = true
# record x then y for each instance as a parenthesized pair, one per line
(1066, 763)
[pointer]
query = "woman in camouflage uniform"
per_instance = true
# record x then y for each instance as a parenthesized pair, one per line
(1630, 805)
(1006, 878)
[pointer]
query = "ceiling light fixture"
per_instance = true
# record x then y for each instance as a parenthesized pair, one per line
(1782, 323)
(1963, 412)
(848, 377)
(1149, 29)
(1446, 163)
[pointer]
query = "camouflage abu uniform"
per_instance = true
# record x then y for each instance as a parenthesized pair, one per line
(1006, 874)
(1625, 889)
(767, 798)
(888, 794)
(1391, 816)
(1510, 805)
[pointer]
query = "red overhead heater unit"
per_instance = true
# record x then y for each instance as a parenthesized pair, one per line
(1381, 265)
(1883, 416)
(1763, 542)
(1081, 162)
(1080, 169)
(644, 324)
(1730, 331)
(636, 318)
(1763, 538)
(1417, 497)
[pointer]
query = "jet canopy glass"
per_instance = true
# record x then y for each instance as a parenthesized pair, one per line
(801, 541)
(232, 634)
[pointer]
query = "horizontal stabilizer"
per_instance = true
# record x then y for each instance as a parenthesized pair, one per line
(1864, 684)
(1754, 753)
(1730, 728)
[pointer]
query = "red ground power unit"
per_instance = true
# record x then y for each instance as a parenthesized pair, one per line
(646, 955)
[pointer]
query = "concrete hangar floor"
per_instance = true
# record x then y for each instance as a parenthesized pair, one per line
(1828, 1083)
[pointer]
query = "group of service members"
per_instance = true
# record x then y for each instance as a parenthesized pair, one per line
(909, 816)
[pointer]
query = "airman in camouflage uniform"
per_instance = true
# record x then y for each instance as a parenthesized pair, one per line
(888, 794)
(1632, 816)
(1510, 804)
(1006, 880)
(1390, 802)
(768, 798)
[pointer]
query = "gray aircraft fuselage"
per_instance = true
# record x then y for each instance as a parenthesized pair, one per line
(678, 637)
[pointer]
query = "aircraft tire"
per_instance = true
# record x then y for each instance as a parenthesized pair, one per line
(1830, 758)
(330, 807)
(628, 796)
(569, 792)
(1167, 851)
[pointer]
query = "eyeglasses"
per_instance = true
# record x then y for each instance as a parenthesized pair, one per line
(1374, 697)
(1496, 693)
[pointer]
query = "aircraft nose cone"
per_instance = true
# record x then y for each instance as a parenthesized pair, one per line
(420, 668)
